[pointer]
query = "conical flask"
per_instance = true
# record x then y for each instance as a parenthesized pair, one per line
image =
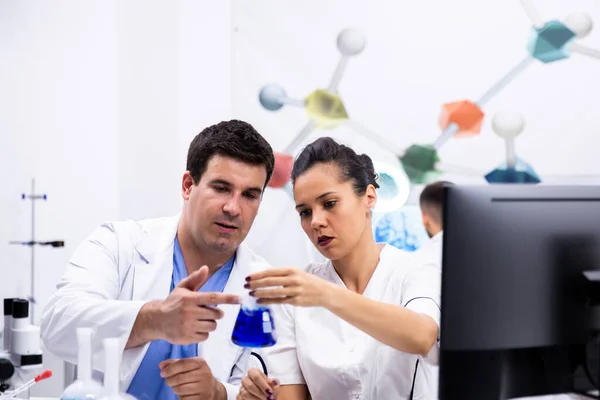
(112, 371)
(84, 388)
(254, 327)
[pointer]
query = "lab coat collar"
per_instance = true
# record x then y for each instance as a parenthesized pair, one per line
(156, 239)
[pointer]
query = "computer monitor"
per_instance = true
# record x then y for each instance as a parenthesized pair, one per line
(519, 283)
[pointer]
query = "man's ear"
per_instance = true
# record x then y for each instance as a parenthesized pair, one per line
(426, 220)
(187, 181)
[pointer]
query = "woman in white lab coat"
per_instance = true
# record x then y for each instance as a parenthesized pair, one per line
(363, 325)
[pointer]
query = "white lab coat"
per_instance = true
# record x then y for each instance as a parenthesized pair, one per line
(112, 274)
(337, 360)
(431, 251)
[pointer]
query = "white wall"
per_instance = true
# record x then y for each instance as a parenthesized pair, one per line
(419, 55)
(98, 103)
(174, 80)
(59, 125)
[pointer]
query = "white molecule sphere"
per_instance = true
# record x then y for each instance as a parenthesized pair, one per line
(580, 23)
(508, 124)
(272, 97)
(351, 42)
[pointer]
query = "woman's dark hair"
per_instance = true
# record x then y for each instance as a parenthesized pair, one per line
(355, 168)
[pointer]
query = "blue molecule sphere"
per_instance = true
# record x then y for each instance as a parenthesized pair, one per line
(521, 173)
(271, 97)
(500, 175)
(550, 42)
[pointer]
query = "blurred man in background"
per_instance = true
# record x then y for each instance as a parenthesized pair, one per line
(431, 202)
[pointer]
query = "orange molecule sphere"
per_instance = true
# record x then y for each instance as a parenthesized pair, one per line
(466, 114)
(282, 171)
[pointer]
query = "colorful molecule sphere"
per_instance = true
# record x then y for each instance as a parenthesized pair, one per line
(550, 42)
(521, 173)
(351, 42)
(419, 163)
(272, 97)
(508, 124)
(579, 23)
(282, 171)
(467, 116)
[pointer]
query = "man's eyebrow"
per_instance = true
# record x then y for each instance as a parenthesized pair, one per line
(223, 182)
(220, 182)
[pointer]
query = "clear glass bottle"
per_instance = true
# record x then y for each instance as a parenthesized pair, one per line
(112, 370)
(84, 388)
(254, 326)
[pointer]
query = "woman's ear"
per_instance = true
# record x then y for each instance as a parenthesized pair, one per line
(371, 196)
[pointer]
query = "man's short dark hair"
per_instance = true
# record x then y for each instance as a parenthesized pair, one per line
(432, 199)
(234, 139)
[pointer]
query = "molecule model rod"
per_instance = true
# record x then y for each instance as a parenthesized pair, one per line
(586, 51)
(506, 79)
(532, 13)
(445, 136)
(511, 155)
(300, 137)
(292, 102)
(338, 74)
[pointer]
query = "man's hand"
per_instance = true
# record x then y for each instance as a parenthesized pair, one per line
(187, 316)
(192, 379)
(258, 386)
(184, 317)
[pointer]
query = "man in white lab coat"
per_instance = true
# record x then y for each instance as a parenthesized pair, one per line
(431, 202)
(154, 283)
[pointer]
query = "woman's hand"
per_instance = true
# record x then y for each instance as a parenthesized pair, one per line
(257, 386)
(290, 286)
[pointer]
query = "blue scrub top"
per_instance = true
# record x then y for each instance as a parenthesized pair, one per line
(147, 382)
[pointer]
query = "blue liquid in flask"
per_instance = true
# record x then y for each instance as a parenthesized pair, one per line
(254, 327)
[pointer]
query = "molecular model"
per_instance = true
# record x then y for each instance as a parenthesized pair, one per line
(326, 110)
(508, 125)
(550, 41)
